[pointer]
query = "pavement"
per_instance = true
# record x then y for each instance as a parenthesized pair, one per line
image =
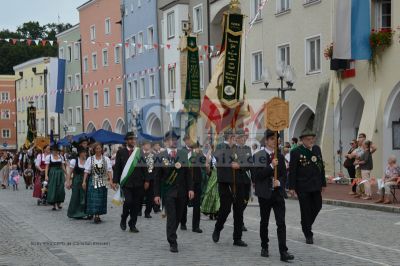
(35, 235)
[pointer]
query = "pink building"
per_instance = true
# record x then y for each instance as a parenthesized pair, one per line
(102, 65)
(8, 118)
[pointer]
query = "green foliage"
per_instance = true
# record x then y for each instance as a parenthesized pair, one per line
(12, 55)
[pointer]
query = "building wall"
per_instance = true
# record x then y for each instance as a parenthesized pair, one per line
(8, 118)
(138, 19)
(70, 39)
(111, 116)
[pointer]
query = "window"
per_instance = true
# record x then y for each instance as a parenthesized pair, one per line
(31, 82)
(96, 100)
(282, 6)
(93, 33)
(70, 114)
(69, 53)
(42, 101)
(5, 96)
(23, 126)
(135, 90)
(257, 66)
(132, 7)
(150, 37)
(26, 84)
(313, 59)
(87, 102)
(40, 80)
(19, 130)
(129, 92)
(142, 88)
(108, 26)
(77, 51)
(85, 64)
(77, 81)
(132, 47)
(383, 14)
(5, 114)
(152, 84)
(201, 75)
(119, 95)
(6, 134)
(170, 25)
(117, 54)
(106, 97)
(42, 125)
(171, 79)
(139, 3)
(127, 46)
(78, 115)
(198, 18)
(61, 53)
(53, 124)
(94, 61)
(284, 54)
(69, 82)
(140, 42)
(105, 57)
(255, 5)
(311, 2)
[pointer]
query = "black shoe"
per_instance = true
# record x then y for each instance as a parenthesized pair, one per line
(310, 240)
(173, 249)
(133, 230)
(197, 230)
(183, 227)
(148, 216)
(215, 235)
(264, 253)
(286, 256)
(122, 224)
(244, 229)
(239, 243)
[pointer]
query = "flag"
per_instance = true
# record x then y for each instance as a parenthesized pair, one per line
(31, 123)
(56, 84)
(352, 30)
(224, 105)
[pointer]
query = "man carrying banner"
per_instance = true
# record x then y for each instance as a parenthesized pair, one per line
(174, 183)
(307, 179)
(132, 175)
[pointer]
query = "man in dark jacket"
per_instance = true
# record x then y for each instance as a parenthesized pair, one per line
(307, 179)
(187, 149)
(231, 171)
(270, 192)
(172, 179)
(136, 183)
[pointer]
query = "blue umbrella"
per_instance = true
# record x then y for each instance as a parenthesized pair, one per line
(107, 137)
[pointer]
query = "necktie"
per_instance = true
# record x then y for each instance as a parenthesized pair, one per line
(272, 156)
(130, 152)
(173, 153)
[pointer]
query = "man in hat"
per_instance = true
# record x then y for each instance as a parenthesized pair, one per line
(133, 188)
(270, 192)
(148, 159)
(173, 180)
(187, 148)
(231, 172)
(307, 180)
(244, 152)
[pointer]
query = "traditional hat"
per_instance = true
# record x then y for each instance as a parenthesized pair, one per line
(240, 132)
(83, 139)
(307, 133)
(130, 135)
(227, 133)
(267, 134)
(156, 142)
(171, 135)
(145, 141)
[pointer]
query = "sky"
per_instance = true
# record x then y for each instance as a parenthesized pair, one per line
(14, 13)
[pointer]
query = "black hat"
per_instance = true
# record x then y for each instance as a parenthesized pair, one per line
(145, 141)
(228, 133)
(83, 139)
(171, 135)
(55, 147)
(240, 132)
(307, 133)
(156, 142)
(130, 135)
(269, 133)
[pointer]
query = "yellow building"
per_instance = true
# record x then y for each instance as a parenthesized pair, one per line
(31, 86)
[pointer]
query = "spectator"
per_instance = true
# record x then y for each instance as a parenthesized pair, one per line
(366, 165)
(294, 143)
(392, 174)
(349, 165)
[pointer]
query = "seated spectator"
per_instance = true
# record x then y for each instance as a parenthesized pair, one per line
(391, 178)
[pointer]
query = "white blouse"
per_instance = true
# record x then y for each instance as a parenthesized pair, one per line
(88, 164)
(39, 159)
(51, 158)
(72, 163)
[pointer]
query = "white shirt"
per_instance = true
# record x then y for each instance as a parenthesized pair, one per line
(169, 150)
(39, 159)
(51, 158)
(88, 163)
(72, 163)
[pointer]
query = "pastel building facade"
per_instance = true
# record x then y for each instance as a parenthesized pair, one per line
(8, 118)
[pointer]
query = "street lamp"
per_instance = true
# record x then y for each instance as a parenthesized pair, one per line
(286, 74)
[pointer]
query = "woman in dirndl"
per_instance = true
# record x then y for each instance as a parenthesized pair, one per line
(211, 203)
(76, 170)
(40, 165)
(55, 176)
(97, 169)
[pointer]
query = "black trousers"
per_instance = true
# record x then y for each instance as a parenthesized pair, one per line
(149, 195)
(277, 203)
(226, 202)
(174, 208)
(196, 203)
(352, 174)
(132, 204)
(310, 205)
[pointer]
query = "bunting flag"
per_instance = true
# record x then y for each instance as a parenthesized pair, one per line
(57, 79)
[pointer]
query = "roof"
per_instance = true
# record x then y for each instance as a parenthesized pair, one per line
(86, 4)
(7, 77)
(68, 30)
(32, 62)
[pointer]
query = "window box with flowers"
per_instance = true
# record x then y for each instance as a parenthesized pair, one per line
(336, 64)
(379, 40)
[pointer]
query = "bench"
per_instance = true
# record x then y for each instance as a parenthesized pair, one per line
(393, 192)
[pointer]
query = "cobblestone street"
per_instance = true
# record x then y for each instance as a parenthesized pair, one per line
(35, 235)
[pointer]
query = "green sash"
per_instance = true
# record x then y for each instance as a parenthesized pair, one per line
(311, 158)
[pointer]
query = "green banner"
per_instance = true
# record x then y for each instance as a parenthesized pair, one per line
(31, 123)
(192, 94)
(229, 95)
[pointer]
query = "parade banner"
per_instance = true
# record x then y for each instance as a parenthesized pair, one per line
(56, 83)
(192, 92)
(230, 93)
(31, 123)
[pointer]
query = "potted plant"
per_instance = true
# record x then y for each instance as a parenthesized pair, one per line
(379, 40)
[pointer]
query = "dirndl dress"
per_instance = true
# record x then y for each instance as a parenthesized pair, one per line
(96, 195)
(56, 190)
(77, 204)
